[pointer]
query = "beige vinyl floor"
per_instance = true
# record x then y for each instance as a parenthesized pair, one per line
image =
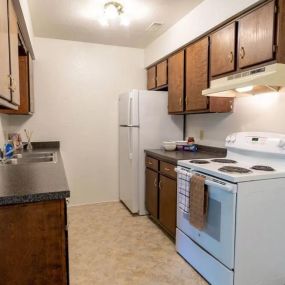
(107, 245)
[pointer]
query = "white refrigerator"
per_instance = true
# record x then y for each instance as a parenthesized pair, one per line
(143, 124)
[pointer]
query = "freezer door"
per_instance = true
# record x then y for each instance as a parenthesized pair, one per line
(129, 109)
(128, 167)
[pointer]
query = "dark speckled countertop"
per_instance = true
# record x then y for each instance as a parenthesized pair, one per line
(34, 182)
(173, 156)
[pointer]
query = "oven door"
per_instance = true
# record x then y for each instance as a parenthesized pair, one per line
(217, 238)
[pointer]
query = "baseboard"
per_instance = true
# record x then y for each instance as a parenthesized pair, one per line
(89, 204)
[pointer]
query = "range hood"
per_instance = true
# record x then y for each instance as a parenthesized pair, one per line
(269, 78)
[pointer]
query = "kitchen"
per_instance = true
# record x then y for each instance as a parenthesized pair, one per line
(74, 61)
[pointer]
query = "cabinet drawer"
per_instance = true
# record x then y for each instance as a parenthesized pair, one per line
(168, 169)
(151, 163)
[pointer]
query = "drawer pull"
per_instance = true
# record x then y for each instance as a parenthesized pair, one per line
(167, 169)
(150, 163)
(155, 183)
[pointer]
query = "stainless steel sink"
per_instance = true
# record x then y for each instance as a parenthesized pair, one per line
(37, 157)
(37, 154)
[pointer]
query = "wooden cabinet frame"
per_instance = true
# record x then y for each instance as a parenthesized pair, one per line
(160, 194)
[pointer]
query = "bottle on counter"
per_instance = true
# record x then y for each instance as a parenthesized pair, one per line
(9, 149)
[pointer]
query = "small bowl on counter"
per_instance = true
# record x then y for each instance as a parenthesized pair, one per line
(169, 145)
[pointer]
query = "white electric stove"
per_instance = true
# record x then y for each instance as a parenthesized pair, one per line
(243, 239)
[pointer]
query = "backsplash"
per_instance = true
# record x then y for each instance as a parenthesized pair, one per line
(255, 113)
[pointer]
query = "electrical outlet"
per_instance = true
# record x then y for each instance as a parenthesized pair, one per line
(202, 134)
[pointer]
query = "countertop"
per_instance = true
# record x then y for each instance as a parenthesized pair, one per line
(173, 156)
(34, 182)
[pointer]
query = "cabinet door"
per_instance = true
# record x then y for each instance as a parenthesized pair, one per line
(4, 52)
(223, 50)
(161, 74)
(256, 36)
(14, 54)
(32, 243)
(167, 203)
(151, 192)
(196, 75)
(176, 82)
(151, 78)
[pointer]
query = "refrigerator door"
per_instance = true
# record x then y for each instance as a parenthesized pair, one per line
(129, 108)
(128, 167)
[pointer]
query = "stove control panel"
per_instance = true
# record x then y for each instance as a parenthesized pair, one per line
(257, 141)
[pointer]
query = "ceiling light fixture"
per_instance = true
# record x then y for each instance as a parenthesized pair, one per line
(114, 10)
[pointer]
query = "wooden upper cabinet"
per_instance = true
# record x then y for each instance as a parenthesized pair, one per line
(223, 50)
(14, 54)
(196, 75)
(161, 73)
(256, 36)
(151, 78)
(176, 82)
(4, 52)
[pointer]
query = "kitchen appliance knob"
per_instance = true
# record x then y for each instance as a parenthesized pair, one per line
(282, 144)
(233, 138)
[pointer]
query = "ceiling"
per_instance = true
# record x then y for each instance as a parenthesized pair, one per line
(76, 20)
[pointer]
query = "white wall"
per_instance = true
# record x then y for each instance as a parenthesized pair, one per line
(256, 113)
(76, 89)
(198, 21)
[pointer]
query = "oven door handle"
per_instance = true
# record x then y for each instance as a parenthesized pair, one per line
(227, 187)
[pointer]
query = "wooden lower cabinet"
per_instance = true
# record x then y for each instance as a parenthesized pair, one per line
(167, 204)
(160, 194)
(33, 244)
(151, 192)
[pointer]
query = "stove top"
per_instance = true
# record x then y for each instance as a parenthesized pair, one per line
(223, 160)
(234, 169)
(199, 161)
(250, 156)
(263, 168)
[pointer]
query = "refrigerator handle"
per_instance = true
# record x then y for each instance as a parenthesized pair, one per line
(130, 143)
(130, 111)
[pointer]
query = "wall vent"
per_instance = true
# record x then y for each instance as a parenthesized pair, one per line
(154, 27)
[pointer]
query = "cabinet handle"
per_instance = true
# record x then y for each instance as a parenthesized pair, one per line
(149, 162)
(180, 101)
(12, 84)
(167, 169)
(155, 183)
(186, 101)
(159, 185)
(231, 57)
(242, 53)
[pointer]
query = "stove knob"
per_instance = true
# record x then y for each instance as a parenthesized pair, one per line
(282, 144)
(228, 139)
(233, 138)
